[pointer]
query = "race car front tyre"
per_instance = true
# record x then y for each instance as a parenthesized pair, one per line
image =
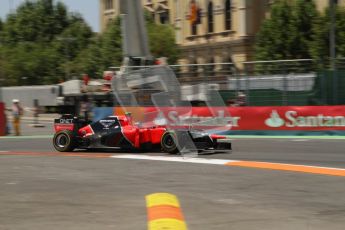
(64, 141)
(169, 143)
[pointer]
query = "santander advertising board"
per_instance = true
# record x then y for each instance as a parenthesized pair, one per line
(308, 118)
(293, 119)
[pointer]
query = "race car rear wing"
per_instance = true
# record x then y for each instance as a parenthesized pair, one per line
(68, 122)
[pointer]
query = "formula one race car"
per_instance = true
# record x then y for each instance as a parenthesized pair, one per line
(119, 132)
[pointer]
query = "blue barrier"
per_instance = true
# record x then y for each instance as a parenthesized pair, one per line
(102, 112)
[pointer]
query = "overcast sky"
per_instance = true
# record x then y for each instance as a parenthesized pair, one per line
(88, 8)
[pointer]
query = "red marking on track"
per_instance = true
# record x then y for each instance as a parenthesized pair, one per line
(72, 154)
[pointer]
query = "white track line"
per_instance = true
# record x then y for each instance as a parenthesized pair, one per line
(250, 164)
(175, 159)
(300, 140)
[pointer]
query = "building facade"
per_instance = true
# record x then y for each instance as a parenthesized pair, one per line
(220, 31)
(322, 4)
(108, 10)
(208, 31)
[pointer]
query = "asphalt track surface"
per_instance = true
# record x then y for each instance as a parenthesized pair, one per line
(44, 189)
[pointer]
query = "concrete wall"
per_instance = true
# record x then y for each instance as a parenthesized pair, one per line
(46, 95)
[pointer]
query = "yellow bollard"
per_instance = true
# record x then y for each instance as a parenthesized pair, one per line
(164, 212)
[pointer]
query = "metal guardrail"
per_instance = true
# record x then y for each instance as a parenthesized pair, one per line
(279, 82)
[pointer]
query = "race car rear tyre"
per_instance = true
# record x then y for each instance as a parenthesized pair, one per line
(169, 143)
(64, 141)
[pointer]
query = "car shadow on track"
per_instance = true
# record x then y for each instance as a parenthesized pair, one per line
(155, 152)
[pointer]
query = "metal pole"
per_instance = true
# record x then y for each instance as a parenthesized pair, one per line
(247, 90)
(285, 85)
(332, 41)
(332, 51)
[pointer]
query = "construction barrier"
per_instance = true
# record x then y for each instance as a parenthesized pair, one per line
(2, 120)
(253, 120)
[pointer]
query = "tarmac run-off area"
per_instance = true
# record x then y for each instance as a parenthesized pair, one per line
(264, 183)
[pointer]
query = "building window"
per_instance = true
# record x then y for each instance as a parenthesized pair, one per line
(192, 61)
(109, 21)
(210, 17)
(228, 15)
(194, 29)
(229, 68)
(193, 14)
(164, 17)
(210, 66)
(108, 4)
